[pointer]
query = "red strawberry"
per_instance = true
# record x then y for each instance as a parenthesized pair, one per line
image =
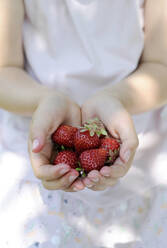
(66, 157)
(93, 159)
(110, 144)
(83, 141)
(88, 136)
(112, 147)
(64, 135)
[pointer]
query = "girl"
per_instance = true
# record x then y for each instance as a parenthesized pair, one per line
(80, 60)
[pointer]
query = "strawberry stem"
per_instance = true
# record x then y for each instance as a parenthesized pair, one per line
(79, 164)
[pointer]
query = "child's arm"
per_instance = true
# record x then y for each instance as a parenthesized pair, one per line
(143, 90)
(146, 88)
(19, 93)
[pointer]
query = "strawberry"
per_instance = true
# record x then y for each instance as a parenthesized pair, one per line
(88, 136)
(112, 147)
(64, 135)
(93, 159)
(66, 157)
(83, 141)
(110, 144)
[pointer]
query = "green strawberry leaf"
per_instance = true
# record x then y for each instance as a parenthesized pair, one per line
(94, 126)
(96, 119)
(86, 125)
(98, 133)
(92, 133)
(103, 131)
(83, 130)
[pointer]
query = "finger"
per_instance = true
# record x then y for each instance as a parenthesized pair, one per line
(128, 137)
(103, 182)
(94, 181)
(128, 147)
(118, 169)
(78, 185)
(109, 182)
(62, 183)
(45, 171)
(106, 171)
(114, 171)
(51, 172)
(42, 127)
(88, 183)
(41, 167)
(38, 131)
(102, 187)
(94, 176)
(99, 188)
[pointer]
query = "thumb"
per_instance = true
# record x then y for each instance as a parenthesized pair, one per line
(39, 130)
(38, 135)
(129, 139)
(38, 144)
(43, 124)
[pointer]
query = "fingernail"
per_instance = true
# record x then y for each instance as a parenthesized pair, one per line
(106, 172)
(94, 179)
(72, 178)
(88, 183)
(79, 186)
(35, 144)
(127, 155)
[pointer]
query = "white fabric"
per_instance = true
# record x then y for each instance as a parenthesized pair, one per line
(79, 47)
(82, 46)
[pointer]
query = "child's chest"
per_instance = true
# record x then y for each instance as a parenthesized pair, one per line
(89, 14)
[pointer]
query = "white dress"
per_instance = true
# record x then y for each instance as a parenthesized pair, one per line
(79, 47)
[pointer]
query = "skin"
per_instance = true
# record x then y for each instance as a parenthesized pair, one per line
(147, 85)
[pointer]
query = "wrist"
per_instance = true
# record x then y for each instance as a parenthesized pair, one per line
(121, 92)
(20, 93)
(47, 92)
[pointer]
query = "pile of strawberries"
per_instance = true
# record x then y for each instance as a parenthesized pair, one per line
(85, 148)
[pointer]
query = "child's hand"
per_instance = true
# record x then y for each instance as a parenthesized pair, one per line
(53, 109)
(120, 125)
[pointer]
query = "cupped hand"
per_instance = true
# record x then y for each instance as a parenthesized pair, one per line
(54, 108)
(119, 124)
